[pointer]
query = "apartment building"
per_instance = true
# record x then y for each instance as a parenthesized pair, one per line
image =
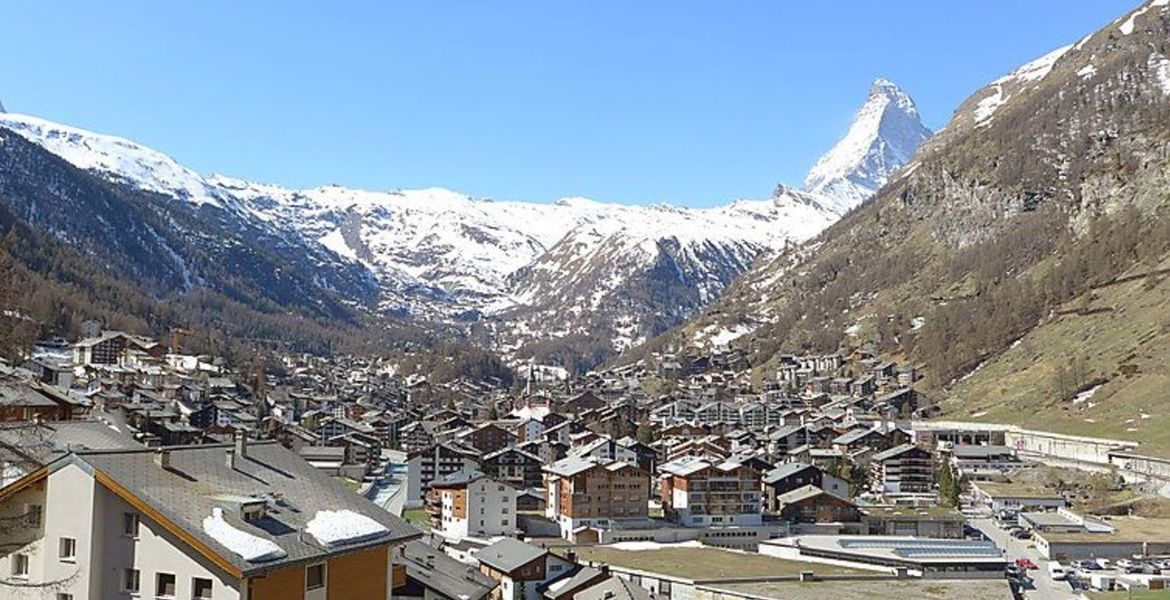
(585, 492)
(214, 522)
(426, 465)
(699, 491)
(470, 503)
(902, 470)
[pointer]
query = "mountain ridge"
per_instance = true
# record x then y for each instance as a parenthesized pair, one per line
(1017, 242)
(524, 272)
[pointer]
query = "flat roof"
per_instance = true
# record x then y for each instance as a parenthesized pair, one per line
(913, 512)
(1016, 490)
(1048, 519)
(903, 589)
(1126, 529)
(900, 549)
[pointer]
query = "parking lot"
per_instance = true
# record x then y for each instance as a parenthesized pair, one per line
(1041, 587)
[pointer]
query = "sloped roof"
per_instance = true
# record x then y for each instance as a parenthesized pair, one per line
(614, 588)
(785, 471)
(198, 479)
(450, 578)
(509, 554)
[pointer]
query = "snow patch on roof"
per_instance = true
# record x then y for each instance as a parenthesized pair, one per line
(249, 547)
(337, 527)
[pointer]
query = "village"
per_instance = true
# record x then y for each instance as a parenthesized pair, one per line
(554, 488)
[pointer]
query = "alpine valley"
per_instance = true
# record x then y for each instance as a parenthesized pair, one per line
(1019, 260)
(570, 283)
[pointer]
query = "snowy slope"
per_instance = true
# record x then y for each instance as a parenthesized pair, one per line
(439, 254)
(885, 133)
(115, 157)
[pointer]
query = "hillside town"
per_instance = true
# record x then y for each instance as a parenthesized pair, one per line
(131, 467)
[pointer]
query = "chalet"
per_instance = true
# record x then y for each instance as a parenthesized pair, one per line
(790, 476)
(811, 504)
(516, 467)
(519, 568)
(488, 437)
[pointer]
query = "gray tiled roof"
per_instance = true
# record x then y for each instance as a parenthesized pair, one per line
(434, 569)
(458, 479)
(895, 451)
(199, 479)
(568, 585)
(614, 588)
(784, 471)
(509, 554)
(48, 441)
(803, 492)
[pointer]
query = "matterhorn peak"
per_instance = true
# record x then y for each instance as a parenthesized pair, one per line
(885, 133)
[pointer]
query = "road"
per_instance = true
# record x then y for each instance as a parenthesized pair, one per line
(390, 491)
(1044, 588)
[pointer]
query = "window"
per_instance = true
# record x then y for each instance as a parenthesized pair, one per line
(130, 581)
(253, 512)
(33, 512)
(67, 549)
(164, 585)
(63, 596)
(130, 524)
(20, 566)
(200, 589)
(314, 577)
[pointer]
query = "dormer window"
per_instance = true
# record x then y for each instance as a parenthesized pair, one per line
(252, 512)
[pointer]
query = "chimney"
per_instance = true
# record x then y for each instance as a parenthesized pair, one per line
(230, 458)
(241, 439)
(163, 458)
(571, 556)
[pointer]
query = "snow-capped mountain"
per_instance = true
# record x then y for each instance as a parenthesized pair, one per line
(885, 133)
(530, 271)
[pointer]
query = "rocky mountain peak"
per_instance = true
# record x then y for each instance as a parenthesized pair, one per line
(885, 133)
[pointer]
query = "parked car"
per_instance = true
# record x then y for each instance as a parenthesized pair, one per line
(1124, 564)
(1021, 534)
(1026, 563)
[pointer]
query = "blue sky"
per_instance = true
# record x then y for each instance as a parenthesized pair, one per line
(688, 102)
